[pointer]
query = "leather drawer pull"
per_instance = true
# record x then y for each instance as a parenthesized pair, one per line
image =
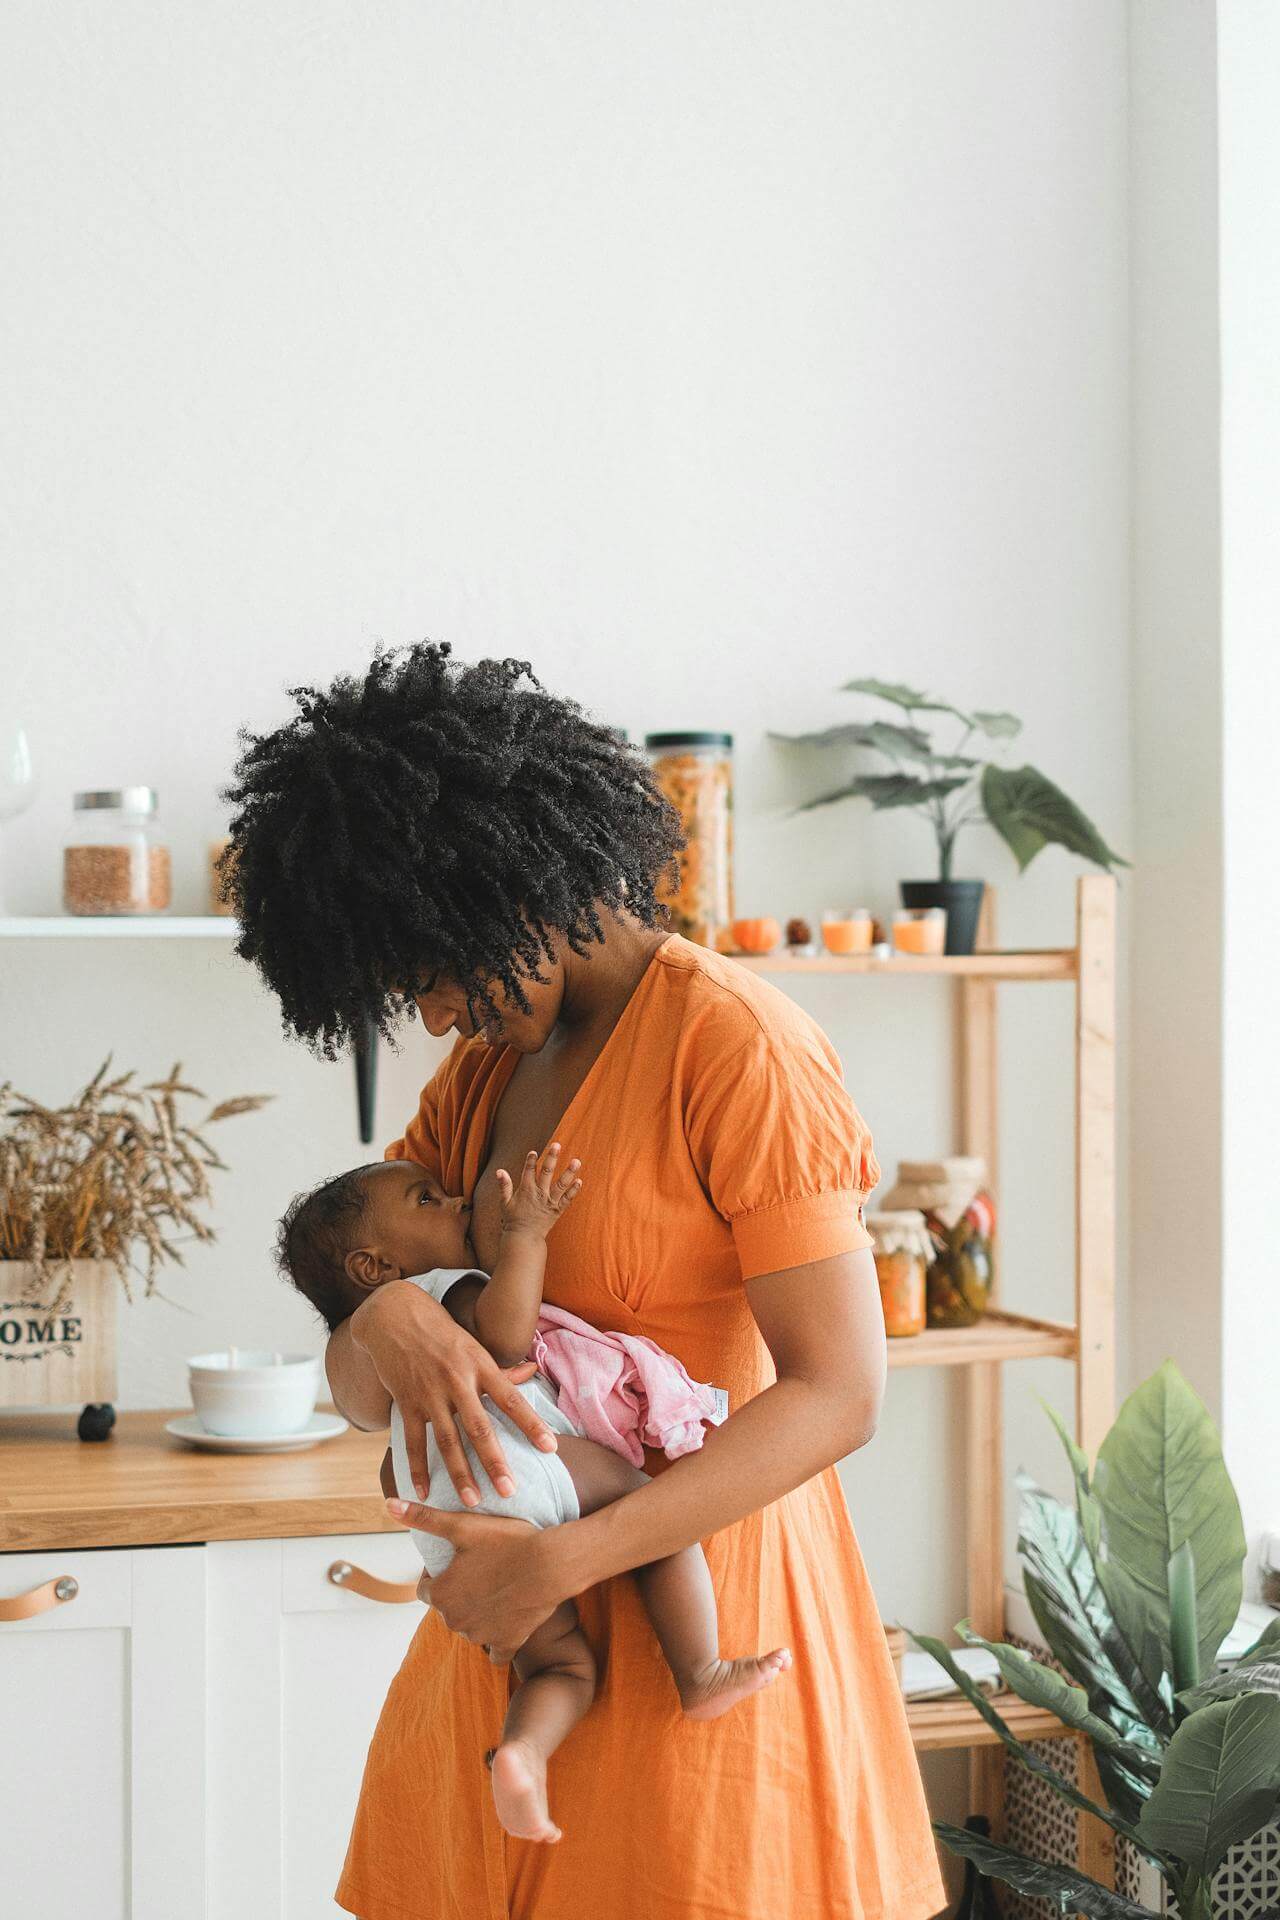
(54, 1593)
(356, 1580)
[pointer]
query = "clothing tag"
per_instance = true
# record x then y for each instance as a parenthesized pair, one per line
(721, 1413)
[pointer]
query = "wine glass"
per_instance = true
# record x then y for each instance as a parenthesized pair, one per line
(17, 779)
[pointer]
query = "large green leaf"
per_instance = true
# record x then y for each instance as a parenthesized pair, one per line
(1220, 1783)
(1045, 1687)
(1027, 1755)
(1265, 1647)
(883, 735)
(1260, 1676)
(1029, 813)
(1076, 1622)
(1068, 1889)
(887, 790)
(1161, 1480)
(899, 696)
(998, 726)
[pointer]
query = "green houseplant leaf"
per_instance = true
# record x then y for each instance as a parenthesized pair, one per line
(887, 790)
(1161, 1480)
(1134, 1769)
(1068, 1889)
(1029, 812)
(899, 696)
(1265, 1647)
(1219, 1784)
(884, 735)
(1076, 1622)
(1262, 1676)
(998, 726)
(1027, 1755)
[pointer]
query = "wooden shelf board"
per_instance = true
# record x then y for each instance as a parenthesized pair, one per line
(997, 1337)
(937, 1725)
(1040, 963)
(128, 926)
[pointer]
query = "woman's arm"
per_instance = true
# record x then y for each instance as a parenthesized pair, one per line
(824, 1327)
(401, 1345)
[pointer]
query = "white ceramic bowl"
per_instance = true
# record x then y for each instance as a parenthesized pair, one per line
(258, 1396)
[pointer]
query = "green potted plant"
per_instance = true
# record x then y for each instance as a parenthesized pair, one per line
(955, 786)
(91, 1194)
(1134, 1590)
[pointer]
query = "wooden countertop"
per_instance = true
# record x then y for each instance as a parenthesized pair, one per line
(144, 1488)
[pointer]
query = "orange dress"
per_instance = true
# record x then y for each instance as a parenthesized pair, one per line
(719, 1143)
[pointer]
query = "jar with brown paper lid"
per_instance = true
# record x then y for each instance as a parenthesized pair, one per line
(903, 1250)
(960, 1215)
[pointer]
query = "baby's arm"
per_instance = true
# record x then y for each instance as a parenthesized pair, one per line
(504, 1313)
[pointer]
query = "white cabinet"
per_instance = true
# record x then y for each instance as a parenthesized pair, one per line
(185, 1736)
(298, 1672)
(102, 1752)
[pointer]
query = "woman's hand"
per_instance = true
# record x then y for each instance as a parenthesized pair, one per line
(436, 1373)
(497, 1589)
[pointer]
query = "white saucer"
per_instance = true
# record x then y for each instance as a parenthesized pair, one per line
(321, 1426)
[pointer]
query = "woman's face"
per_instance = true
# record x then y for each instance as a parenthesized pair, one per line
(444, 1009)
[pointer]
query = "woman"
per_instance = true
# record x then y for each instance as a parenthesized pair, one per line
(455, 837)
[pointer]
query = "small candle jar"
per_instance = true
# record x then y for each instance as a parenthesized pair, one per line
(903, 1250)
(920, 930)
(846, 930)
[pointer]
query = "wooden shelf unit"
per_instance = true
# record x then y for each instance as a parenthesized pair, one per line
(1088, 1344)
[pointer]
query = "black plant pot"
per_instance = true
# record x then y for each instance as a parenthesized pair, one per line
(962, 900)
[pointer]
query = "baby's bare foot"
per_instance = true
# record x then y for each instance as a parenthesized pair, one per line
(720, 1686)
(520, 1792)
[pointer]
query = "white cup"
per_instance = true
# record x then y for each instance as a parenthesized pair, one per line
(248, 1394)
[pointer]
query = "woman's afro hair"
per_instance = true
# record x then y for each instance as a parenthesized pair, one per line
(433, 818)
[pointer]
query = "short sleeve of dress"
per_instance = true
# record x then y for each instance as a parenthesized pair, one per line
(420, 1141)
(782, 1151)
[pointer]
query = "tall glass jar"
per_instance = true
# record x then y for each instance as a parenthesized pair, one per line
(115, 859)
(695, 772)
(961, 1217)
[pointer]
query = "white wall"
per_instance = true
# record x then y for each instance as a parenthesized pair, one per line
(706, 355)
(1249, 266)
(1206, 921)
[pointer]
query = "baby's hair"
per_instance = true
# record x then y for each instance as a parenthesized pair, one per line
(315, 1235)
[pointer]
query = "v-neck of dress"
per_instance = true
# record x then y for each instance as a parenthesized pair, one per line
(511, 1057)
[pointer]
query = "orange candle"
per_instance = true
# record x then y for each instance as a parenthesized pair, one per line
(920, 930)
(846, 930)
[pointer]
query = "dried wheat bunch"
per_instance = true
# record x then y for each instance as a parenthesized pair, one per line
(114, 1176)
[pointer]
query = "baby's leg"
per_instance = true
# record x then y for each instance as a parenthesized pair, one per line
(557, 1673)
(677, 1593)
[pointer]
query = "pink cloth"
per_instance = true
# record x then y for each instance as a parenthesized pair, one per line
(621, 1389)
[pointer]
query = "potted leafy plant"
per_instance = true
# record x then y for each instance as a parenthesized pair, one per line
(954, 787)
(1134, 1590)
(90, 1194)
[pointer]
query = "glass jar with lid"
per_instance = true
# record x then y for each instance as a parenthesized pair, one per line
(695, 773)
(903, 1249)
(115, 859)
(961, 1218)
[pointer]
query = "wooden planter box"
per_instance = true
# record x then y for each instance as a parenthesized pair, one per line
(58, 1356)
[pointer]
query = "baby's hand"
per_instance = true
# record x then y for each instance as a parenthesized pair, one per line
(537, 1203)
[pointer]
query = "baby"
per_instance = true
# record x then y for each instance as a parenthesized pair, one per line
(394, 1221)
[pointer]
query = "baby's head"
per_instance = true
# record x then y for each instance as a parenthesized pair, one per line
(363, 1228)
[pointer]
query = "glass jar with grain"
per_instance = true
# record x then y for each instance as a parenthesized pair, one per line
(695, 773)
(115, 859)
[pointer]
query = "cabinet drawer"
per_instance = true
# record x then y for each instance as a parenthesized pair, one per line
(104, 1582)
(307, 1588)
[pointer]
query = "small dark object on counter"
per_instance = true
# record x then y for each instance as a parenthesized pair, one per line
(799, 933)
(878, 934)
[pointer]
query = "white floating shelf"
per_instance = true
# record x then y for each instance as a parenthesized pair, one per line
(132, 926)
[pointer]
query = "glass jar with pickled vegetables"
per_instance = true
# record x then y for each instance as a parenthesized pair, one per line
(903, 1250)
(695, 773)
(961, 1218)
